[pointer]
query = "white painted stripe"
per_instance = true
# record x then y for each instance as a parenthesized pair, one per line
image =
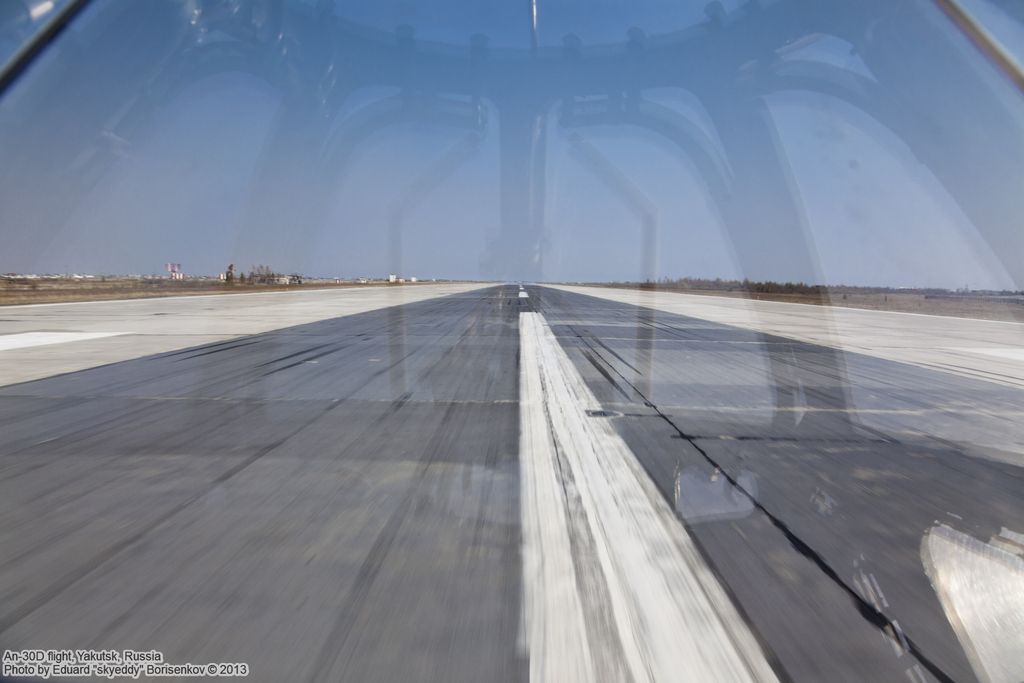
(26, 339)
(1008, 353)
(583, 488)
(557, 638)
(981, 588)
(524, 295)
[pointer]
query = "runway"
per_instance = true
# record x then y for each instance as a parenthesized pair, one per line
(809, 475)
(360, 489)
(140, 327)
(980, 349)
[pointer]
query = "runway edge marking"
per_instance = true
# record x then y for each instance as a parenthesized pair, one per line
(583, 487)
(25, 340)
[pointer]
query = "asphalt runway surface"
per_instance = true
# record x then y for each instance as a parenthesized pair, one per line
(838, 450)
(341, 499)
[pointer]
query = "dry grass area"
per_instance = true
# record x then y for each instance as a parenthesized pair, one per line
(25, 291)
(1010, 309)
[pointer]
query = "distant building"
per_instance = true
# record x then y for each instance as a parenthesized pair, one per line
(392, 278)
(412, 279)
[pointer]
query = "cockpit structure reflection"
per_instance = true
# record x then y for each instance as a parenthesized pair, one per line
(867, 142)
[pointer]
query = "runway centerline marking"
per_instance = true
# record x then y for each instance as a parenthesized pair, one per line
(29, 339)
(648, 606)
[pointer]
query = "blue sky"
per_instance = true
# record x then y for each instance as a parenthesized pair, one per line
(113, 171)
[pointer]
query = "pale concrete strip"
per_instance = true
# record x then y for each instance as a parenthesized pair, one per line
(29, 339)
(159, 325)
(980, 349)
(583, 487)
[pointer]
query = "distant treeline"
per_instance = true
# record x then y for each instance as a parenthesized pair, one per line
(791, 288)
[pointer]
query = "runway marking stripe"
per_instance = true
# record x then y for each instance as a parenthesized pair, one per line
(1008, 353)
(669, 617)
(29, 339)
